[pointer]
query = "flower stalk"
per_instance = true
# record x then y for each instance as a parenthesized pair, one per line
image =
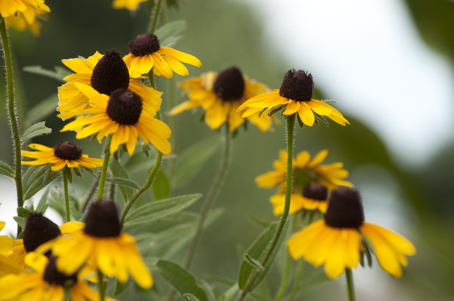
(350, 286)
(12, 115)
(105, 165)
(65, 189)
(283, 219)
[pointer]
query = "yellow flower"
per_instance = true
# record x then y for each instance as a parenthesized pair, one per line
(46, 283)
(124, 115)
(64, 154)
(305, 169)
(105, 73)
(20, 13)
(128, 4)
(220, 95)
(7, 265)
(313, 197)
(295, 96)
(146, 53)
(103, 246)
(338, 240)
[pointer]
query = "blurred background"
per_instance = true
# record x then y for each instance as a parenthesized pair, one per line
(387, 63)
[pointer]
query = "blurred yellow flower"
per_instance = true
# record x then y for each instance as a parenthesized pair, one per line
(128, 4)
(20, 13)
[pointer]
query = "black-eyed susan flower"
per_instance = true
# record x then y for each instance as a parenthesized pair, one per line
(64, 154)
(45, 282)
(102, 245)
(146, 53)
(22, 13)
(305, 170)
(338, 240)
(7, 265)
(39, 230)
(220, 95)
(125, 116)
(105, 73)
(128, 4)
(294, 96)
(313, 197)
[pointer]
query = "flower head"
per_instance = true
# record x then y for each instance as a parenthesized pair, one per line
(7, 265)
(338, 240)
(46, 282)
(294, 96)
(220, 95)
(146, 53)
(22, 13)
(105, 73)
(128, 4)
(64, 154)
(103, 246)
(125, 115)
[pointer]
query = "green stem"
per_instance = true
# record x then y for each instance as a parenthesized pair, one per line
(350, 286)
(152, 172)
(91, 193)
(65, 189)
(288, 190)
(101, 286)
(105, 165)
(12, 115)
(211, 197)
(299, 273)
(286, 273)
(155, 16)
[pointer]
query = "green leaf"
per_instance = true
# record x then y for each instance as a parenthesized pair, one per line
(23, 212)
(181, 279)
(259, 221)
(169, 33)
(230, 293)
(160, 209)
(208, 290)
(161, 186)
(20, 221)
(193, 158)
(42, 109)
(253, 262)
(119, 172)
(255, 251)
(6, 170)
(123, 182)
(58, 74)
(35, 130)
(190, 297)
(36, 178)
(42, 205)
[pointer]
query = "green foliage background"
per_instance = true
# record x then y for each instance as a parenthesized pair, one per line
(223, 33)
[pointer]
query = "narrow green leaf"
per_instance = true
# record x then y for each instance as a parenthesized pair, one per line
(123, 182)
(42, 109)
(24, 212)
(119, 172)
(253, 262)
(20, 221)
(181, 279)
(255, 251)
(68, 174)
(58, 74)
(36, 178)
(156, 210)
(193, 158)
(42, 205)
(259, 221)
(6, 170)
(230, 293)
(169, 31)
(208, 290)
(190, 297)
(161, 187)
(35, 130)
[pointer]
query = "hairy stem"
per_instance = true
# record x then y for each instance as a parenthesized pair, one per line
(105, 166)
(288, 191)
(65, 189)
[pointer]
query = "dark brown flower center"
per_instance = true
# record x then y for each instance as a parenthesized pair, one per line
(297, 85)
(345, 209)
(144, 44)
(67, 151)
(110, 73)
(124, 107)
(315, 192)
(54, 277)
(38, 230)
(229, 84)
(102, 220)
